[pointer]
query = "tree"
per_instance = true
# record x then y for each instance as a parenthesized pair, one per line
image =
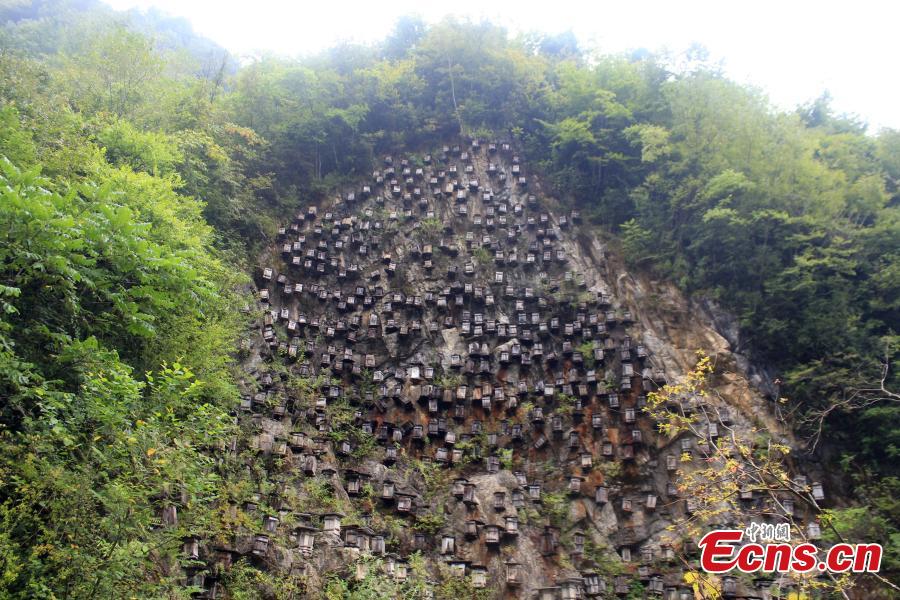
(118, 74)
(738, 476)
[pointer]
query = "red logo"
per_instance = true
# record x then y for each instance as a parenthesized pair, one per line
(721, 551)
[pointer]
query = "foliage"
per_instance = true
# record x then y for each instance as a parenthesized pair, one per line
(430, 523)
(729, 464)
(555, 506)
(482, 256)
(452, 588)
(506, 458)
(565, 403)
(245, 582)
(117, 321)
(871, 522)
(449, 380)
(608, 564)
(431, 228)
(434, 477)
(375, 583)
(636, 591)
(587, 353)
(151, 152)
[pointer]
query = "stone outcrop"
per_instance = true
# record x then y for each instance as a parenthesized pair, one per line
(447, 362)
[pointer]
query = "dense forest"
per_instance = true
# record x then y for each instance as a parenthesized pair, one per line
(141, 168)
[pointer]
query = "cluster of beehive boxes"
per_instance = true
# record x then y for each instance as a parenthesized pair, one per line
(438, 301)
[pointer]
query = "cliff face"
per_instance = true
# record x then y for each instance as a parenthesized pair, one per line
(449, 363)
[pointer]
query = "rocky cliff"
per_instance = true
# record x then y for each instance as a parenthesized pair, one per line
(450, 373)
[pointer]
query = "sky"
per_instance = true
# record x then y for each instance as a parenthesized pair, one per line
(792, 49)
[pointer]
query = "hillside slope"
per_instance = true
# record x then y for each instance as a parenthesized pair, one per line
(451, 376)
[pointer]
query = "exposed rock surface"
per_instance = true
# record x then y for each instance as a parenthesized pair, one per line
(453, 365)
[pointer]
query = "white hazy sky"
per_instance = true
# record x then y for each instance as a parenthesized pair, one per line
(791, 49)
